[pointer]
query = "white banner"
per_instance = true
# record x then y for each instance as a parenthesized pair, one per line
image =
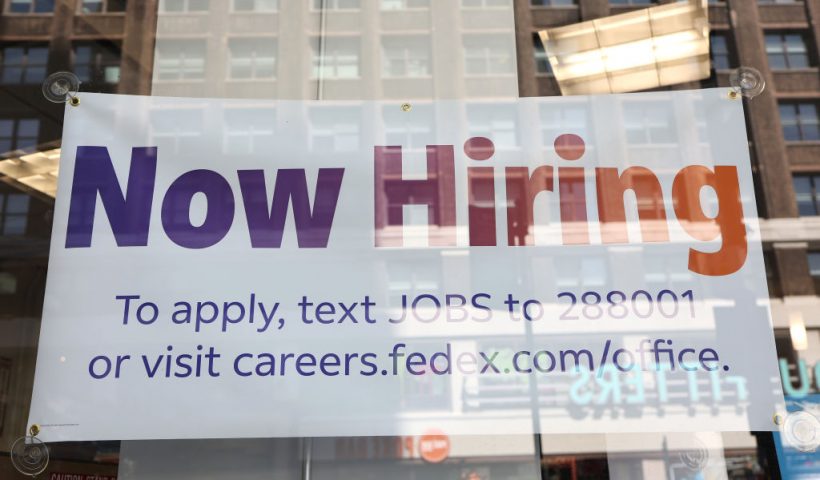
(230, 268)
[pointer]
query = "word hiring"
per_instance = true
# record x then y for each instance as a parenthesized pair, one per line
(129, 215)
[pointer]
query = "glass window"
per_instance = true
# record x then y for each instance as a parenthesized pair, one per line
(484, 3)
(719, 50)
(340, 58)
(648, 123)
(338, 132)
(24, 64)
(13, 213)
(177, 129)
(814, 270)
(553, 3)
(255, 5)
(252, 58)
(97, 62)
(806, 192)
(181, 6)
(542, 62)
(18, 134)
(498, 124)
(404, 4)
(567, 119)
(800, 121)
(405, 56)
(787, 51)
(632, 2)
(487, 55)
(409, 131)
(180, 60)
(30, 6)
(102, 6)
(336, 4)
(249, 131)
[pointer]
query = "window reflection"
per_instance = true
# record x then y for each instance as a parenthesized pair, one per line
(648, 123)
(336, 132)
(24, 64)
(18, 134)
(404, 4)
(800, 121)
(255, 5)
(336, 57)
(31, 6)
(178, 129)
(97, 62)
(500, 124)
(409, 131)
(487, 55)
(249, 131)
(13, 213)
(252, 58)
(180, 60)
(181, 6)
(787, 51)
(406, 56)
(102, 6)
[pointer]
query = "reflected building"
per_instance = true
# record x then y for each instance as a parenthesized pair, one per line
(394, 50)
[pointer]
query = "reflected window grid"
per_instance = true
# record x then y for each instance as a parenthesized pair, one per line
(567, 119)
(13, 213)
(334, 132)
(408, 131)
(102, 6)
(340, 58)
(648, 124)
(183, 6)
(487, 55)
(542, 62)
(553, 3)
(405, 4)
(318, 5)
(18, 134)
(29, 6)
(814, 270)
(486, 3)
(405, 57)
(800, 121)
(806, 190)
(498, 124)
(180, 60)
(24, 64)
(719, 51)
(787, 51)
(252, 59)
(180, 127)
(249, 131)
(96, 62)
(255, 6)
(632, 2)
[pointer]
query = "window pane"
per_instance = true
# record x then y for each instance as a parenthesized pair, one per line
(92, 6)
(804, 195)
(814, 264)
(20, 6)
(43, 6)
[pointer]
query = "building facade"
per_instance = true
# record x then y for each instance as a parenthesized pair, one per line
(389, 50)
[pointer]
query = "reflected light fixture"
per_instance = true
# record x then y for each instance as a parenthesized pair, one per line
(797, 331)
(638, 50)
(37, 171)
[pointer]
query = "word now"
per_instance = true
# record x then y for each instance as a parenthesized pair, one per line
(129, 215)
